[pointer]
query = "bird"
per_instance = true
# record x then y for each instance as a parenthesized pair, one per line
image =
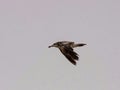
(66, 48)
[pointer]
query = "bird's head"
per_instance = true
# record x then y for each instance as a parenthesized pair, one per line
(57, 44)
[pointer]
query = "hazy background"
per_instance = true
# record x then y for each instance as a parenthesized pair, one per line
(28, 27)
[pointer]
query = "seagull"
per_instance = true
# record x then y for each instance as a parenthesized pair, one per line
(66, 48)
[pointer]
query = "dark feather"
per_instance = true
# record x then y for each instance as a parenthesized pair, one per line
(69, 54)
(70, 59)
(78, 45)
(70, 51)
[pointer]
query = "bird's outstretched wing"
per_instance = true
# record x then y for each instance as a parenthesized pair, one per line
(69, 54)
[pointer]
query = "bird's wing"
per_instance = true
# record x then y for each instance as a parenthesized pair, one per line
(69, 54)
(67, 42)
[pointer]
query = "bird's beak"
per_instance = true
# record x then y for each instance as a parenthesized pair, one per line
(50, 46)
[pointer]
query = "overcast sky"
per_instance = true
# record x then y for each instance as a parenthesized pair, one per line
(28, 27)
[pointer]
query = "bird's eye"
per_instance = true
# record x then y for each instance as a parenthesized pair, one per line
(54, 44)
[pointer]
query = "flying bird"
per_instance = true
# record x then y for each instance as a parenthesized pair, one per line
(66, 47)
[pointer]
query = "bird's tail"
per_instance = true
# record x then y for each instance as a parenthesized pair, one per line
(79, 45)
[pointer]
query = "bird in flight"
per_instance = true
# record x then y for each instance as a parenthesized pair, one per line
(66, 47)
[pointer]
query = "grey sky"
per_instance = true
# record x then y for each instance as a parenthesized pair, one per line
(28, 27)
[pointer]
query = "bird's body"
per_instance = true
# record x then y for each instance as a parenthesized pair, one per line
(66, 47)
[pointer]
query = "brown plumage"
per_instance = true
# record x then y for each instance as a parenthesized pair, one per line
(66, 47)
